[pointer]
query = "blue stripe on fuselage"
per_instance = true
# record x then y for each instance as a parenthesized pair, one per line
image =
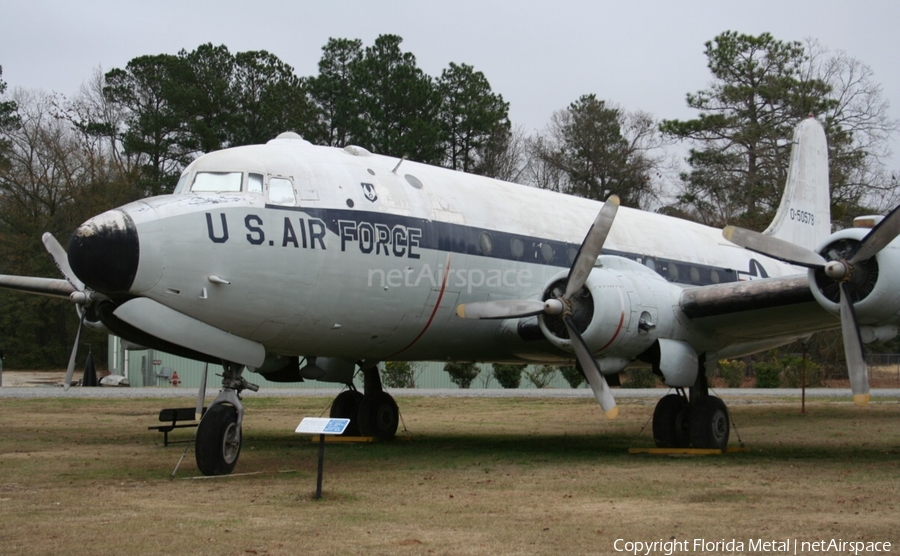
(386, 234)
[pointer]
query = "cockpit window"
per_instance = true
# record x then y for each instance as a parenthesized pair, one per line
(182, 183)
(225, 182)
(255, 183)
(281, 192)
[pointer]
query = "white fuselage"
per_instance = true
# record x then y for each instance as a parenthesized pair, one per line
(373, 257)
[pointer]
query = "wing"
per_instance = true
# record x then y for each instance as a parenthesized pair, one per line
(41, 286)
(757, 310)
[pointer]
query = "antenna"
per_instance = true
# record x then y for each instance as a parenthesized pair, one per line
(394, 171)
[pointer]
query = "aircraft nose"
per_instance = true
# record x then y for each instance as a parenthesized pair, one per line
(104, 252)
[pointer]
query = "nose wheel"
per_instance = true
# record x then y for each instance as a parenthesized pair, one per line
(218, 440)
(219, 436)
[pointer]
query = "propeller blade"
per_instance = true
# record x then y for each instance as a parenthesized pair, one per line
(592, 371)
(773, 247)
(853, 349)
(876, 240)
(201, 395)
(62, 260)
(71, 368)
(591, 247)
(505, 309)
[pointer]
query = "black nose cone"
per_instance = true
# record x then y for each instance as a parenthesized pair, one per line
(104, 252)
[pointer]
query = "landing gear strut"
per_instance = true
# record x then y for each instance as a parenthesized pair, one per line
(219, 437)
(374, 413)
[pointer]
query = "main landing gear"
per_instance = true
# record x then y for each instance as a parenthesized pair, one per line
(699, 422)
(374, 413)
(218, 443)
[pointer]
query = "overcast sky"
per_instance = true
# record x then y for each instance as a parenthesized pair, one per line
(541, 56)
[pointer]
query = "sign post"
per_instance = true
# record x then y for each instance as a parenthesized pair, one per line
(321, 426)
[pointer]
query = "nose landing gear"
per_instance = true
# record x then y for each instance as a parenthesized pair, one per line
(219, 437)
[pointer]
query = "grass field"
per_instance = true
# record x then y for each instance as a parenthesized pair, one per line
(476, 476)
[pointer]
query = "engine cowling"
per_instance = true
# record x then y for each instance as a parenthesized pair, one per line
(875, 294)
(622, 310)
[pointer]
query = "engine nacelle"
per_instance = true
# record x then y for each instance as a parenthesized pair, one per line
(621, 311)
(875, 295)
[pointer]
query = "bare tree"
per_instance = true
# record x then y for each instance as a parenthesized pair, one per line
(54, 178)
(505, 156)
(860, 129)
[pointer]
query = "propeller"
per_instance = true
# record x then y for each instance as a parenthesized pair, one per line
(80, 296)
(562, 305)
(62, 260)
(841, 269)
(70, 370)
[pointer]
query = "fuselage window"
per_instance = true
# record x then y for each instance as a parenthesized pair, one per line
(220, 182)
(547, 252)
(281, 192)
(255, 183)
(672, 272)
(695, 275)
(486, 243)
(516, 247)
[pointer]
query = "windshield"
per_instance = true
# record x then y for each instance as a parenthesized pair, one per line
(228, 182)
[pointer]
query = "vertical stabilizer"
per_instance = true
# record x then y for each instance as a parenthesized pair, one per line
(804, 216)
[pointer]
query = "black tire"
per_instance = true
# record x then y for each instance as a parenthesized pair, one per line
(710, 425)
(379, 416)
(218, 440)
(346, 406)
(671, 422)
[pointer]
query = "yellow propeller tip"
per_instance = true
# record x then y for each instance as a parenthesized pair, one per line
(612, 413)
(614, 199)
(861, 399)
(461, 311)
(728, 232)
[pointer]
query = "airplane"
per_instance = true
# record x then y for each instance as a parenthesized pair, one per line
(303, 262)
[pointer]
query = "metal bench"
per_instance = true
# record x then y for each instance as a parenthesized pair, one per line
(176, 417)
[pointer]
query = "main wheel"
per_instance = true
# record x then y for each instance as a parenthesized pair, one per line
(218, 440)
(379, 416)
(346, 406)
(671, 422)
(710, 424)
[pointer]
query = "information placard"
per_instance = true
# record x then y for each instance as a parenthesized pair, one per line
(322, 425)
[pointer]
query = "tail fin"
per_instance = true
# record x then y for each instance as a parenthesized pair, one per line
(804, 216)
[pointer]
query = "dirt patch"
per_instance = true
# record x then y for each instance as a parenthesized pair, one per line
(26, 379)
